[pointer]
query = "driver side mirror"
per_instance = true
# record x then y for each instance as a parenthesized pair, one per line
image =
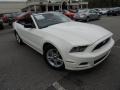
(29, 25)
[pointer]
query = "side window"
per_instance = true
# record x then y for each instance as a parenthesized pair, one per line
(21, 21)
(92, 11)
(26, 21)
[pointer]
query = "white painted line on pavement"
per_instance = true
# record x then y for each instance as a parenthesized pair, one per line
(57, 86)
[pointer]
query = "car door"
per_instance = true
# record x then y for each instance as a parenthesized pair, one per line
(95, 13)
(92, 14)
(32, 36)
(18, 26)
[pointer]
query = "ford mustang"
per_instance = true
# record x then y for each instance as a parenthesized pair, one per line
(64, 43)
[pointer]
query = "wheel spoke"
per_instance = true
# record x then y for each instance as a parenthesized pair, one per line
(59, 60)
(54, 58)
(50, 57)
(56, 62)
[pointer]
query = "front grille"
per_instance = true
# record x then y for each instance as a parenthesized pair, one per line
(101, 44)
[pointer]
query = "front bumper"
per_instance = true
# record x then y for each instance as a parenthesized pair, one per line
(82, 61)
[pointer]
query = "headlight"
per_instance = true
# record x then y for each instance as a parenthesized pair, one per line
(78, 49)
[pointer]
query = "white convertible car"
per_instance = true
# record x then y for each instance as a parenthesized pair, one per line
(64, 43)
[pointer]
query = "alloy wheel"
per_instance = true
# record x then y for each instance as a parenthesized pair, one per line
(54, 58)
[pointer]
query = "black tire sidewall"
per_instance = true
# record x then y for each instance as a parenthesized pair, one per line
(16, 34)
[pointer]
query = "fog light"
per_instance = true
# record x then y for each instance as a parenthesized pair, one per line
(84, 63)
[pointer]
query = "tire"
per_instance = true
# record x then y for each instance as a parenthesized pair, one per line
(117, 14)
(19, 40)
(108, 15)
(1, 26)
(98, 18)
(53, 58)
(87, 19)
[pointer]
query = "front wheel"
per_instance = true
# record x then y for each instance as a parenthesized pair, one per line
(53, 58)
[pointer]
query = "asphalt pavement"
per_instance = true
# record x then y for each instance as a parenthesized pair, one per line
(22, 68)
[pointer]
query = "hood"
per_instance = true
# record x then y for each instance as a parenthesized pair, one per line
(78, 33)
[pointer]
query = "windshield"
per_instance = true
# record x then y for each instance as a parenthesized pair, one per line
(48, 19)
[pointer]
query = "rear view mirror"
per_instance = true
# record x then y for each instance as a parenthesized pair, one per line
(29, 25)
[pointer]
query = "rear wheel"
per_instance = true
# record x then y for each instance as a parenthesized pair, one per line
(87, 19)
(53, 58)
(19, 40)
(1, 26)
